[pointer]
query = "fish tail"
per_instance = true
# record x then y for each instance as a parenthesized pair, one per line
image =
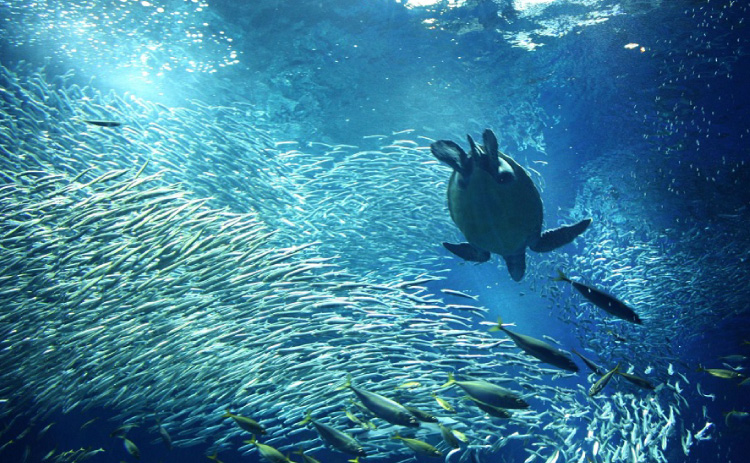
(251, 440)
(499, 326)
(397, 437)
(301, 451)
(356, 460)
(561, 277)
(228, 414)
(347, 384)
(214, 457)
(307, 419)
(451, 380)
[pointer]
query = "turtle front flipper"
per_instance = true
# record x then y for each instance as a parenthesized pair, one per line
(450, 153)
(467, 251)
(490, 159)
(516, 265)
(553, 239)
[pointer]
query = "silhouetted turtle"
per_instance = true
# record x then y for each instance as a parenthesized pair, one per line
(494, 202)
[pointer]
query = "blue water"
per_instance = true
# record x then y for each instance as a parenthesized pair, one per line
(635, 113)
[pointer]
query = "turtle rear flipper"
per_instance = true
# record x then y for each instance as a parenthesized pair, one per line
(553, 239)
(450, 153)
(516, 265)
(468, 252)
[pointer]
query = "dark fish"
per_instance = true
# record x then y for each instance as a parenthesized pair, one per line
(382, 407)
(448, 436)
(539, 349)
(488, 393)
(337, 439)
(268, 452)
(248, 424)
(589, 363)
(722, 373)
(89, 423)
(165, 437)
(420, 447)
(122, 430)
(131, 448)
(617, 337)
(305, 457)
(603, 300)
(421, 415)
(497, 412)
(638, 381)
(602, 382)
(103, 123)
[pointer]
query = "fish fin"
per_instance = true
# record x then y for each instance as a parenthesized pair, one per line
(346, 384)
(307, 419)
(516, 266)
(251, 440)
(467, 251)
(396, 436)
(356, 460)
(450, 153)
(561, 277)
(557, 237)
(499, 326)
(451, 380)
(228, 414)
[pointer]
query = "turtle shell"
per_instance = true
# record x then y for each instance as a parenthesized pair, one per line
(502, 218)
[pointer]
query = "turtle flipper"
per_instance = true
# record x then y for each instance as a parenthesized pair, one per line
(490, 148)
(491, 161)
(468, 252)
(553, 239)
(450, 153)
(516, 266)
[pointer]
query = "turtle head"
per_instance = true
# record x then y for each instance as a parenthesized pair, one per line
(504, 172)
(489, 159)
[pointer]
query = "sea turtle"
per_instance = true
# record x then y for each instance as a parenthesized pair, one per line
(495, 204)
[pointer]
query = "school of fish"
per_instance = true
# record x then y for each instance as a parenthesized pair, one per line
(239, 287)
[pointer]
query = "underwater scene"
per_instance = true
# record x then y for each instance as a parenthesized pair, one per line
(477, 231)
